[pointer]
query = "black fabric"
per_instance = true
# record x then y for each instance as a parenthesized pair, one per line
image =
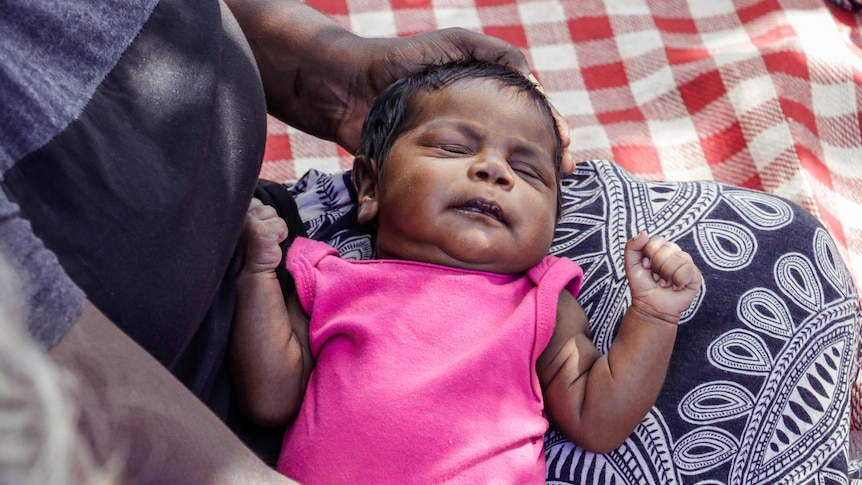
(851, 5)
(143, 196)
(53, 56)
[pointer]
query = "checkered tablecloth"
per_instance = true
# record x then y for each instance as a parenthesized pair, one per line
(760, 94)
(763, 94)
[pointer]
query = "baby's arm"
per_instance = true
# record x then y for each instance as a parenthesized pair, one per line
(269, 353)
(597, 400)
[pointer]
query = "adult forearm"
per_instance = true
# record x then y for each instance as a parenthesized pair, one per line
(161, 431)
(300, 53)
(322, 79)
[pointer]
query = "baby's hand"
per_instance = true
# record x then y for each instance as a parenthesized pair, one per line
(663, 278)
(262, 231)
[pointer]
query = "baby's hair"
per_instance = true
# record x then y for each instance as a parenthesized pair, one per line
(393, 110)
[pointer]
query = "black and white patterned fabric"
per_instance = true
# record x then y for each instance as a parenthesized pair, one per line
(849, 5)
(759, 384)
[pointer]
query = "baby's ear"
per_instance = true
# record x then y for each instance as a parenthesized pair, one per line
(365, 181)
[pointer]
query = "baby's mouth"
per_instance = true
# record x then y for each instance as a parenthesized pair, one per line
(484, 207)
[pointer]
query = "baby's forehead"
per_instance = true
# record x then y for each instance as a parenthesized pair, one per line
(495, 107)
(485, 83)
(484, 98)
(459, 90)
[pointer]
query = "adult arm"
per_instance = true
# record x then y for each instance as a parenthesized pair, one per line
(597, 400)
(322, 79)
(164, 433)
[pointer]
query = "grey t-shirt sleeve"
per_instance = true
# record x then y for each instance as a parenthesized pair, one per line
(52, 302)
(48, 76)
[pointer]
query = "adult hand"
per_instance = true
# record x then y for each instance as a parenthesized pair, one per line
(386, 60)
(380, 62)
(322, 79)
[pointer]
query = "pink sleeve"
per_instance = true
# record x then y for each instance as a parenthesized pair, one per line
(559, 273)
(302, 259)
(551, 275)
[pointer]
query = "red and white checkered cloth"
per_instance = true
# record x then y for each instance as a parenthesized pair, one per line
(764, 94)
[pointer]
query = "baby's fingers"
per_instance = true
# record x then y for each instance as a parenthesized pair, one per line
(687, 276)
(672, 266)
(634, 251)
(265, 221)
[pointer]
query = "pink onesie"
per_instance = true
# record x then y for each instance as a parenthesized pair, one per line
(425, 374)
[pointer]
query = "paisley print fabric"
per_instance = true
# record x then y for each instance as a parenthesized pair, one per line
(850, 5)
(759, 384)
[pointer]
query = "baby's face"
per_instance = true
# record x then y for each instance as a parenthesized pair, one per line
(471, 183)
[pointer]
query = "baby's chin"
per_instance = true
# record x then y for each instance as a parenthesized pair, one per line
(475, 258)
(508, 267)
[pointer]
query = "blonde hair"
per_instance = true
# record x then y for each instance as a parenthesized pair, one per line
(41, 441)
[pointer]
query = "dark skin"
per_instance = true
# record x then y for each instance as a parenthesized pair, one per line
(165, 433)
(595, 399)
(337, 74)
(268, 354)
(320, 78)
(468, 144)
(598, 399)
